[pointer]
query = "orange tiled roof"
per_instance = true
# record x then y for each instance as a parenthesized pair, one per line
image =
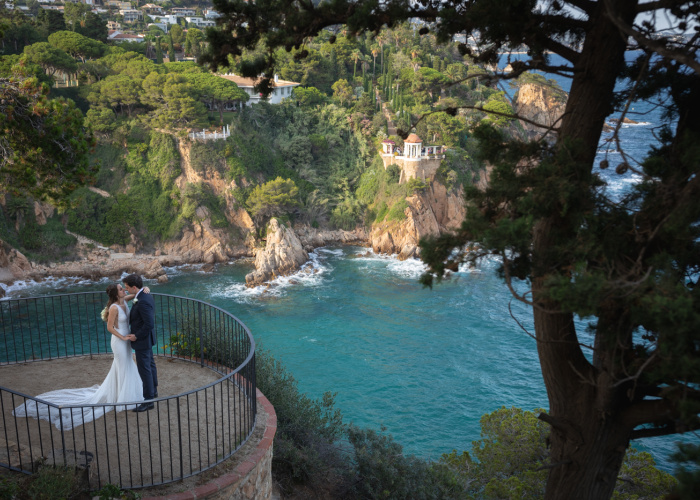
(413, 138)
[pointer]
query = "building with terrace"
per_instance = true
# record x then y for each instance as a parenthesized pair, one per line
(282, 89)
(415, 160)
(131, 15)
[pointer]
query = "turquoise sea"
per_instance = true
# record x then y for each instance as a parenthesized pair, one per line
(426, 364)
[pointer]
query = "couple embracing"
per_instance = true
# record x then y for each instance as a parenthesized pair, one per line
(126, 382)
(135, 330)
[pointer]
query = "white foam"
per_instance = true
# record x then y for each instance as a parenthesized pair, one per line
(48, 285)
(312, 273)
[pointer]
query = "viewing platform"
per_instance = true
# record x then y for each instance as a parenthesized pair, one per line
(207, 413)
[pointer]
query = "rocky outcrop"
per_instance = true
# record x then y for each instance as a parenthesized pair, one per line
(283, 254)
(311, 238)
(203, 243)
(429, 213)
(13, 265)
(540, 104)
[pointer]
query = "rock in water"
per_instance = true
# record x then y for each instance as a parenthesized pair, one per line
(283, 254)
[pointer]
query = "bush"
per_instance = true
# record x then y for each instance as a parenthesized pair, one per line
(397, 211)
(382, 210)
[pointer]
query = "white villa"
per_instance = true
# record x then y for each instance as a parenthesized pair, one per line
(281, 88)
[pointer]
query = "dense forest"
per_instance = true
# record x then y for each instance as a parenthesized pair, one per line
(323, 142)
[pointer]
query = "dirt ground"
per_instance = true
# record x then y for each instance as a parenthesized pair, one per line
(124, 447)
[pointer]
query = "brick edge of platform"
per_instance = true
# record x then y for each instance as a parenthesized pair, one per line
(239, 483)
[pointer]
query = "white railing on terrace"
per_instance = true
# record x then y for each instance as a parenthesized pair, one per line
(205, 135)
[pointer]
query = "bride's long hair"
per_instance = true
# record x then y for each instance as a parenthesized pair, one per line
(113, 295)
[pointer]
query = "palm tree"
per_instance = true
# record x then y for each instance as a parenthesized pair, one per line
(375, 51)
(355, 54)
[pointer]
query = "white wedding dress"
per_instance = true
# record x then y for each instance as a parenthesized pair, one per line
(122, 384)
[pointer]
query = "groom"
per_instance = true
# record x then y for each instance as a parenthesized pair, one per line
(143, 338)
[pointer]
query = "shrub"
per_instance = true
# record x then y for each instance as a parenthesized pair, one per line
(397, 211)
(382, 210)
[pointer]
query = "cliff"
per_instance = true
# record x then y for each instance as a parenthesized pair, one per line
(429, 213)
(540, 104)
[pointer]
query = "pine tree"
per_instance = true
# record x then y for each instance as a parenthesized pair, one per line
(631, 264)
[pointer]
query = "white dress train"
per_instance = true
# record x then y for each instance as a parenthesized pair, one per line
(122, 384)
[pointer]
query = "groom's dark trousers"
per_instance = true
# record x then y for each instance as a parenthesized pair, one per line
(142, 320)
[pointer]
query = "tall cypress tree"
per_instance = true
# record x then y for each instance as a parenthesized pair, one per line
(159, 51)
(171, 49)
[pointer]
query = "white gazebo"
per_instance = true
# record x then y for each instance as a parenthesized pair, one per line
(412, 147)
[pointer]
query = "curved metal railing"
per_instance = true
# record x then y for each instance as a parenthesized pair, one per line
(184, 435)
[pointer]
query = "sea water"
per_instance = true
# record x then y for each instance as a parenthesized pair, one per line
(423, 363)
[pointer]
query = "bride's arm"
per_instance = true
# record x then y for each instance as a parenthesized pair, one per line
(129, 296)
(111, 320)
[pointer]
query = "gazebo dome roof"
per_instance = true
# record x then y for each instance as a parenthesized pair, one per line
(413, 138)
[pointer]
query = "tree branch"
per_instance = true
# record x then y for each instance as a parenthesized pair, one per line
(657, 46)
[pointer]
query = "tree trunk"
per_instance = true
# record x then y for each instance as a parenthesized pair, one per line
(588, 441)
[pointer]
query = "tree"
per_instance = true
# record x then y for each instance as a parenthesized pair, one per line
(77, 45)
(43, 142)
(218, 92)
(50, 21)
(93, 26)
(631, 264)
(342, 91)
(309, 96)
(49, 58)
(177, 34)
(507, 462)
(74, 14)
(174, 101)
(276, 197)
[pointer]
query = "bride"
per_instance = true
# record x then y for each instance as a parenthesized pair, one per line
(122, 383)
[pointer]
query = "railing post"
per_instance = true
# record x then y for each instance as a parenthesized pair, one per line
(201, 340)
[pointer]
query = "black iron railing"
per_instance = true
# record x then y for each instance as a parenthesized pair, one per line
(184, 435)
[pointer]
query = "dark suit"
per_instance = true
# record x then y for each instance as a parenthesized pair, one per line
(142, 321)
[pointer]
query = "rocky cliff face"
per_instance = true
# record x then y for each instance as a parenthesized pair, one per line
(540, 104)
(283, 254)
(429, 213)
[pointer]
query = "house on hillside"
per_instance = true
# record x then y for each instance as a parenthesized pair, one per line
(118, 37)
(182, 11)
(415, 160)
(199, 22)
(152, 9)
(131, 15)
(282, 89)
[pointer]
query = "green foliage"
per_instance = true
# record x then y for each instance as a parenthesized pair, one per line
(44, 144)
(309, 96)
(54, 482)
(393, 174)
(272, 198)
(397, 212)
(112, 491)
(307, 429)
(208, 156)
(687, 460)
(508, 462)
(385, 472)
(382, 210)
(498, 104)
(415, 185)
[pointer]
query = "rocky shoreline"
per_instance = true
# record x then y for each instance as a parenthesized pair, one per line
(93, 262)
